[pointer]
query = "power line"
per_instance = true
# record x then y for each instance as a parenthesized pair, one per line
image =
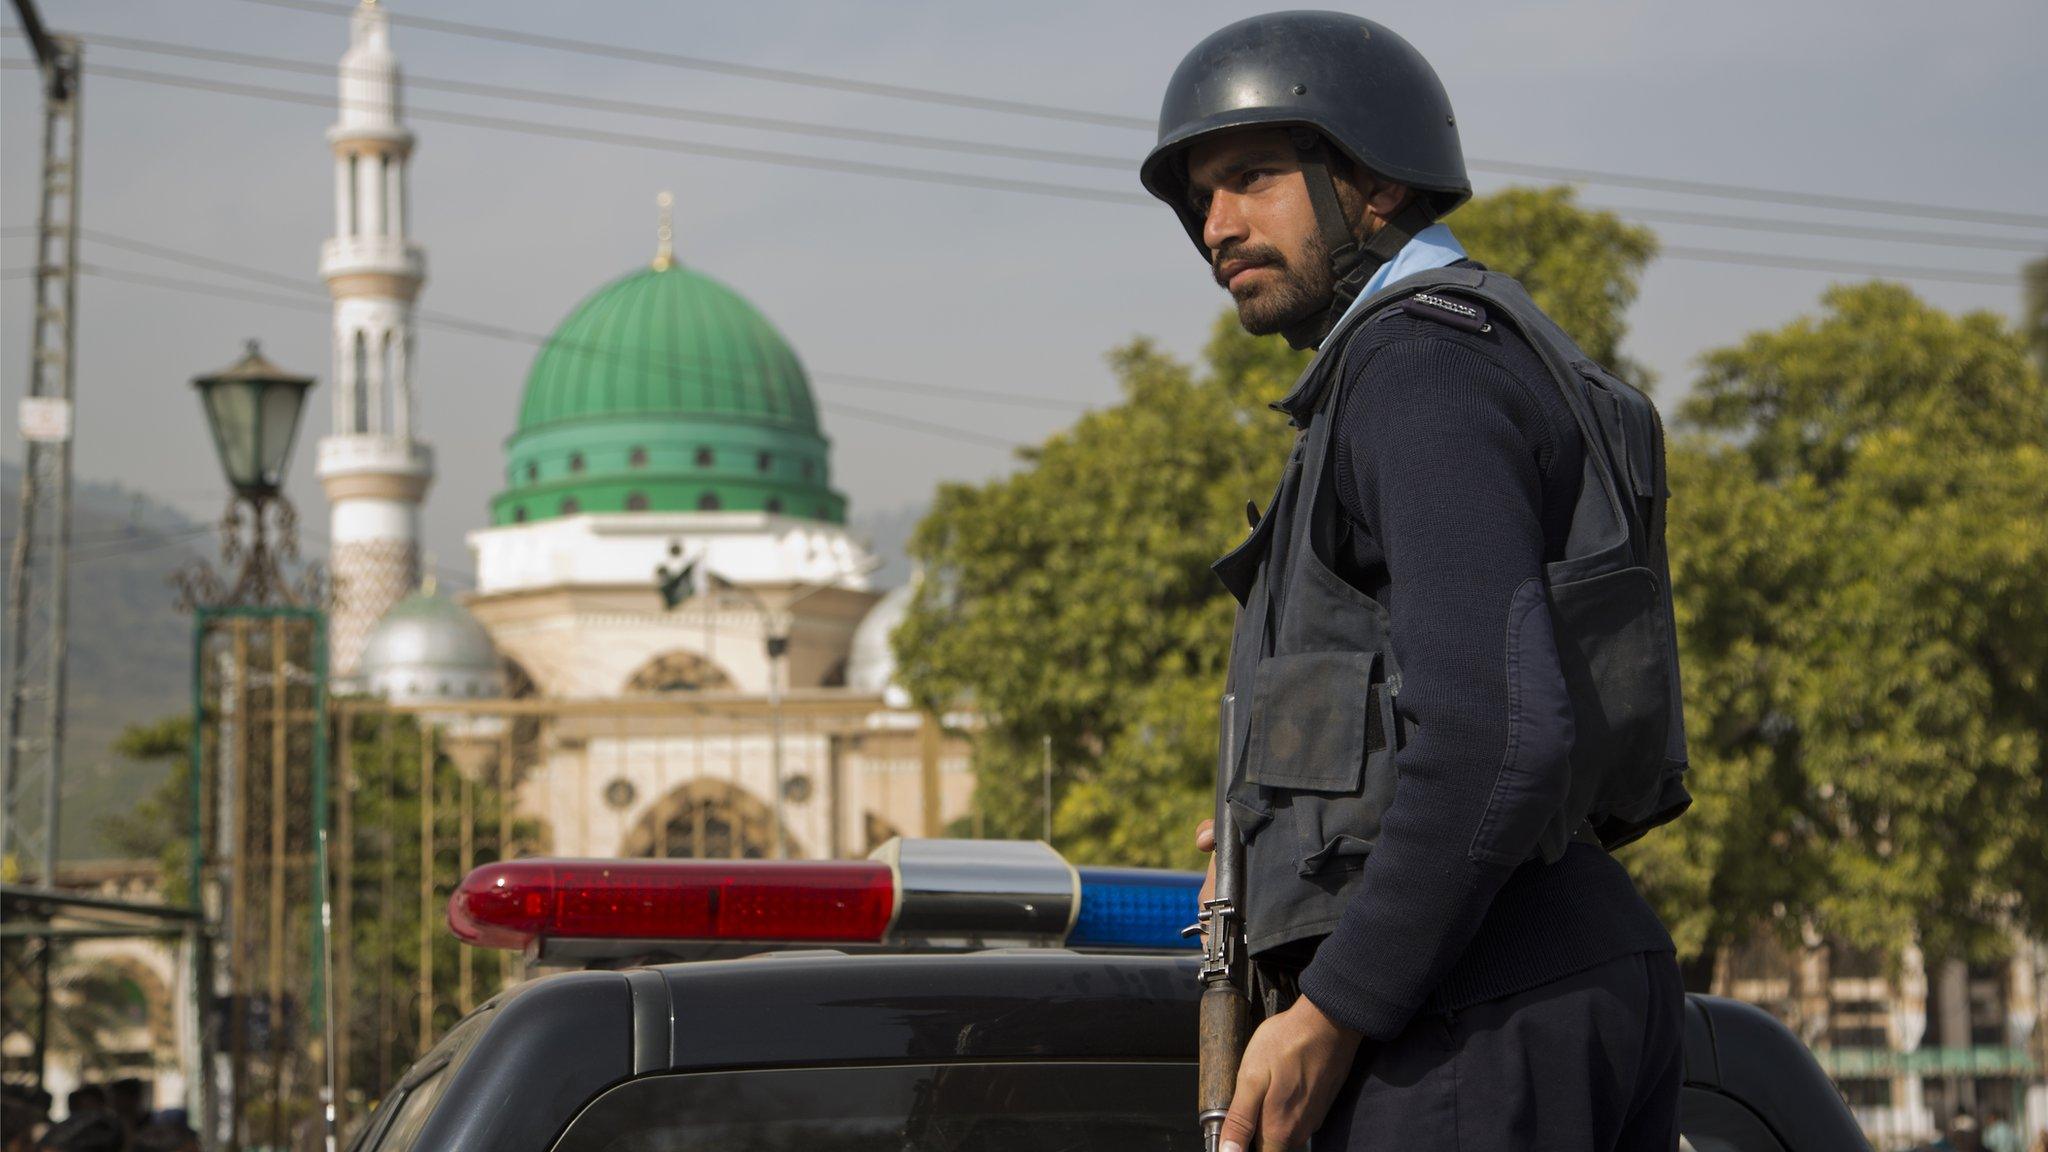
(971, 147)
(926, 175)
(1805, 264)
(1811, 228)
(480, 328)
(636, 140)
(730, 68)
(177, 284)
(1761, 195)
(1127, 164)
(1146, 124)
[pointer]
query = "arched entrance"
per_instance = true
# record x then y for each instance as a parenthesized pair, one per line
(704, 820)
(678, 672)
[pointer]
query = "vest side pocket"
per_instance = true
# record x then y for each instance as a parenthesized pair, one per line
(1614, 646)
(1524, 814)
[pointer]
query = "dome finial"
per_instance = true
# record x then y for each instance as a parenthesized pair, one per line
(665, 234)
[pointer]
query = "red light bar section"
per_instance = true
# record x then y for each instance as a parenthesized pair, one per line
(515, 902)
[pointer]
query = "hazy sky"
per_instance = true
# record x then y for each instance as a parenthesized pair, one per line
(989, 290)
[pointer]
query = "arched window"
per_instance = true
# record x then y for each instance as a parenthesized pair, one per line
(355, 226)
(703, 457)
(637, 458)
(532, 472)
(775, 504)
(636, 501)
(575, 461)
(705, 820)
(519, 514)
(708, 502)
(360, 417)
(570, 507)
(810, 469)
(763, 462)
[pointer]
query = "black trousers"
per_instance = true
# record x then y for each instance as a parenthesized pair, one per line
(1587, 1063)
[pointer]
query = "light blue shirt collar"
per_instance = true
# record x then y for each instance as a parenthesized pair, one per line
(1433, 247)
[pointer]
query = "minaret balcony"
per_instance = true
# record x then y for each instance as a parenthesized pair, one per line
(381, 256)
(373, 453)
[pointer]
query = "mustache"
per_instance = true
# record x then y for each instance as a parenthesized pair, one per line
(1258, 254)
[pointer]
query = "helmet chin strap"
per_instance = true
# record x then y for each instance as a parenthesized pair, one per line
(1351, 264)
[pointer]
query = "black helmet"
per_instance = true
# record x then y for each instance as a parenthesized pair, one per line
(1363, 88)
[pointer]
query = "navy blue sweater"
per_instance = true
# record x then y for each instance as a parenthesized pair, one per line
(1456, 466)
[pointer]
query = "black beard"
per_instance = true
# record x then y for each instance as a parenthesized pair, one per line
(1300, 291)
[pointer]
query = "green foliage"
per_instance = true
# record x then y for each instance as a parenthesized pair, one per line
(1860, 542)
(386, 797)
(1582, 266)
(382, 774)
(2035, 322)
(159, 826)
(1073, 599)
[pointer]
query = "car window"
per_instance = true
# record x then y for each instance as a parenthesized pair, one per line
(1012, 1107)
(413, 1106)
(398, 1120)
(1712, 1122)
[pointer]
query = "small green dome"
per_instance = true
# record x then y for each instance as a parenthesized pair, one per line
(666, 391)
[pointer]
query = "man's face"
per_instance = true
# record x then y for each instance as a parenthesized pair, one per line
(1260, 228)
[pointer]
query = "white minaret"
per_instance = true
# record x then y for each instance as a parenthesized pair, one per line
(374, 466)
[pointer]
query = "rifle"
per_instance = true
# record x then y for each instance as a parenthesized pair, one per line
(1226, 1025)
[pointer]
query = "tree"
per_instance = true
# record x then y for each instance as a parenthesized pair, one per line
(1072, 600)
(159, 827)
(383, 775)
(2036, 312)
(1581, 266)
(1861, 556)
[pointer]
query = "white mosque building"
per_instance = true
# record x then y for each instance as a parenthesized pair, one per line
(666, 423)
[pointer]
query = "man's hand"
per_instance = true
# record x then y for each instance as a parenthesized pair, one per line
(1205, 841)
(1290, 1074)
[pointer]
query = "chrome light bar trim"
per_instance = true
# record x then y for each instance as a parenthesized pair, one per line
(980, 893)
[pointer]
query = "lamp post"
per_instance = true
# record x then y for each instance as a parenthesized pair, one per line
(252, 413)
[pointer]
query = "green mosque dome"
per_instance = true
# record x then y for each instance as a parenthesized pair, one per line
(666, 391)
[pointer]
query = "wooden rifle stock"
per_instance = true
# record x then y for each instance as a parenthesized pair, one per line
(1226, 1020)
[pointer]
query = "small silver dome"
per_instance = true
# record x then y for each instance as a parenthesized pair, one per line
(428, 647)
(871, 663)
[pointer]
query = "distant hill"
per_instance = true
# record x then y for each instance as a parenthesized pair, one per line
(130, 646)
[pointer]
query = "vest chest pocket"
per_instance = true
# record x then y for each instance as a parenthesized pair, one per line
(1319, 738)
(1309, 721)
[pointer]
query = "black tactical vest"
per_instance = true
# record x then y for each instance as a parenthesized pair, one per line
(1313, 673)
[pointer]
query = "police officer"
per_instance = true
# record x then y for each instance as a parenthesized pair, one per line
(1446, 955)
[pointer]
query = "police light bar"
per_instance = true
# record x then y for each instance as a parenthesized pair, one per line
(911, 894)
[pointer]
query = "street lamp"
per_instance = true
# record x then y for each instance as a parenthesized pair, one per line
(252, 411)
(252, 408)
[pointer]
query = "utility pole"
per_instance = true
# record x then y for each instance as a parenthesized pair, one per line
(32, 750)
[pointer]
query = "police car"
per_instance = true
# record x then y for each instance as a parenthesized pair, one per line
(950, 996)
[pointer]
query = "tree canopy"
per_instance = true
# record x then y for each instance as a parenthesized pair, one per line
(1859, 539)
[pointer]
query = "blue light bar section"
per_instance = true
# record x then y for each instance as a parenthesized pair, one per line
(1135, 908)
